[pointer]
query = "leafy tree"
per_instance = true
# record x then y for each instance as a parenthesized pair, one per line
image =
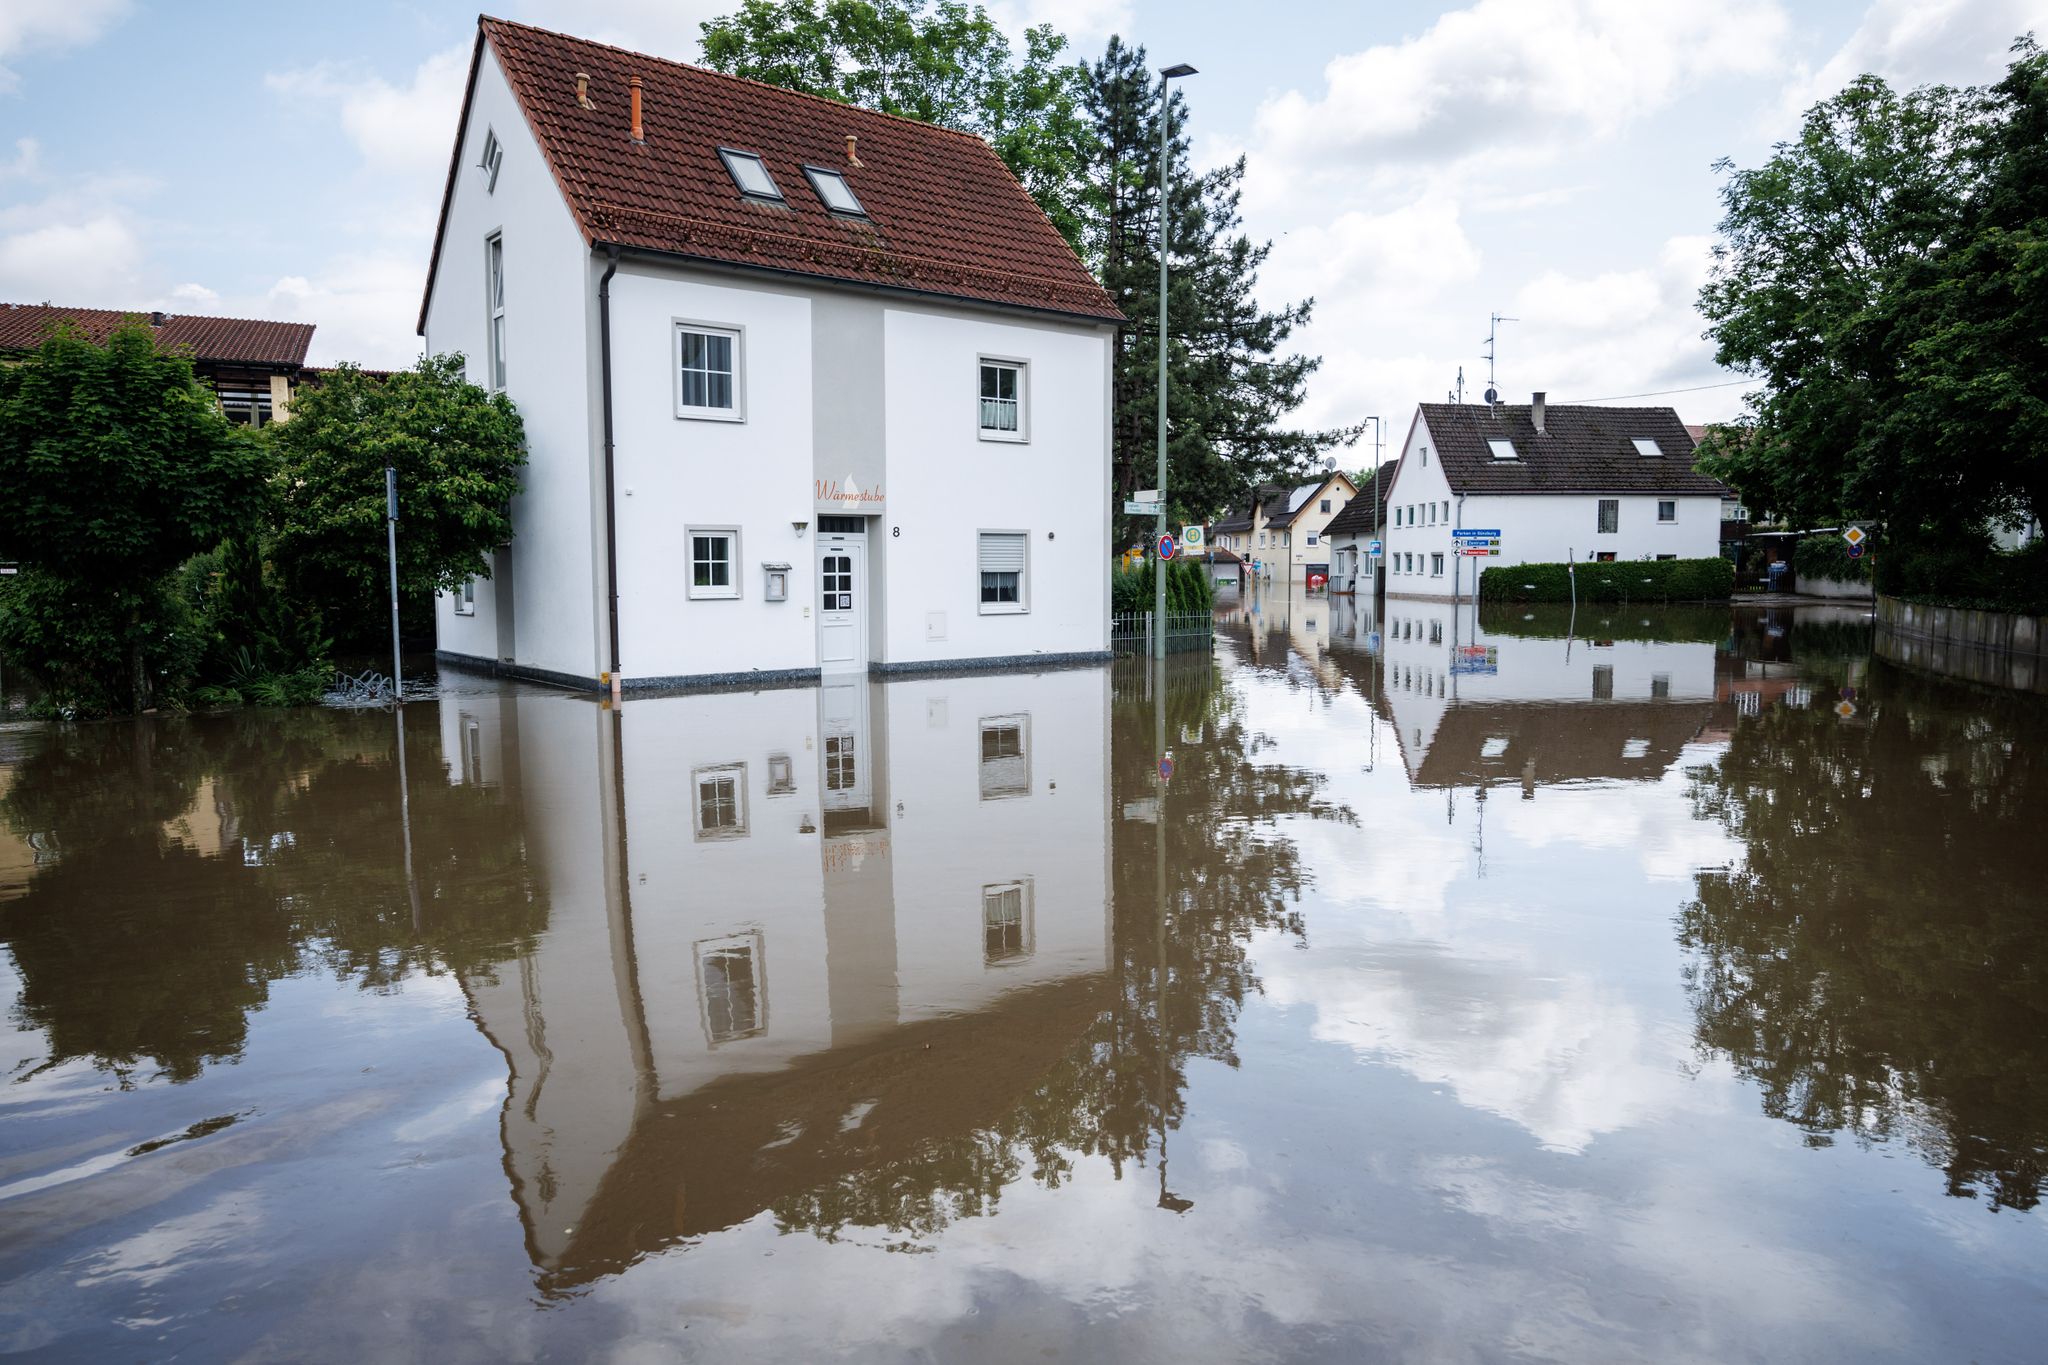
(1885, 274)
(939, 61)
(458, 451)
(115, 467)
(1230, 393)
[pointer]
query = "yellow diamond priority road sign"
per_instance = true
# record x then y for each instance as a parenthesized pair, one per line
(1855, 535)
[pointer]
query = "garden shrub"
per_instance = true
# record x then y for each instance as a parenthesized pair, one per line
(1621, 580)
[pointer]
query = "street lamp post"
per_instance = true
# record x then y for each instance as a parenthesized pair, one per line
(1166, 77)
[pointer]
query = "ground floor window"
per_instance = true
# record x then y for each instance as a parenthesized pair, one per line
(1604, 557)
(1005, 922)
(465, 598)
(721, 801)
(1001, 561)
(1005, 757)
(714, 561)
(730, 984)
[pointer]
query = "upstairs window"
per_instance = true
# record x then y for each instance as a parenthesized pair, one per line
(708, 372)
(750, 173)
(834, 192)
(491, 160)
(1502, 449)
(1667, 509)
(1002, 400)
(1005, 922)
(494, 287)
(721, 801)
(1610, 516)
(1646, 447)
(1325, 508)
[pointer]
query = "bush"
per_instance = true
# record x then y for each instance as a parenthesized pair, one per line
(83, 647)
(1967, 571)
(1827, 556)
(1686, 623)
(1188, 589)
(1624, 580)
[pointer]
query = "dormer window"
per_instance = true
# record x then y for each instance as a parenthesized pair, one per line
(833, 190)
(750, 173)
(491, 160)
(1502, 449)
(1646, 447)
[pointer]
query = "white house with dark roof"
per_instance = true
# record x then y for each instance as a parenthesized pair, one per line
(807, 388)
(1555, 482)
(1281, 528)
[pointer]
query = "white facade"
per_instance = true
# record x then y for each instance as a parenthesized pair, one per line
(1423, 509)
(850, 404)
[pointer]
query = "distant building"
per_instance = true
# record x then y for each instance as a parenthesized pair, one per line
(807, 388)
(1351, 532)
(1282, 528)
(254, 366)
(1556, 482)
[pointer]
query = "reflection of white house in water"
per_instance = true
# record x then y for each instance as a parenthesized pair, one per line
(768, 912)
(1469, 705)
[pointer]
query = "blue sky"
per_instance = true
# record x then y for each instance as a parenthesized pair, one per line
(1417, 166)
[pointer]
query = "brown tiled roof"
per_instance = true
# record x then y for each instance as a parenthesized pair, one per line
(1582, 450)
(228, 341)
(944, 214)
(1359, 514)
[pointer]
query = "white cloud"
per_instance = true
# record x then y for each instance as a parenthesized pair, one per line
(77, 263)
(27, 161)
(398, 130)
(1913, 42)
(1507, 75)
(26, 25)
(364, 305)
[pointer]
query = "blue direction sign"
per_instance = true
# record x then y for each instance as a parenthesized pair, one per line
(1167, 548)
(1466, 533)
(1374, 548)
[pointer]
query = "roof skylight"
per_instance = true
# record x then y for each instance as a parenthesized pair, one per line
(1645, 446)
(750, 173)
(1502, 448)
(834, 191)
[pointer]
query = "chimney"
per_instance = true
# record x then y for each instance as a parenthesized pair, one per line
(852, 156)
(156, 319)
(639, 132)
(583, 91)
(1536, 410)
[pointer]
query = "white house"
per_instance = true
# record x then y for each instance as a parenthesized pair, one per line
(1556, 482)
(806, 387)
(1282, 528)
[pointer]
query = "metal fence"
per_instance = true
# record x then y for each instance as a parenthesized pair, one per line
(1132, 631)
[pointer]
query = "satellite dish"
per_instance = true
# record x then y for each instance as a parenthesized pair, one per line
(1493, 395)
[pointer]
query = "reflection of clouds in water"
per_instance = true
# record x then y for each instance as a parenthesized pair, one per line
(179, 1244)
(1557, 1054)
(1655, 820)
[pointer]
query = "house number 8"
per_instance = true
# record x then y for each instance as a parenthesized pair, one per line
(895, 530)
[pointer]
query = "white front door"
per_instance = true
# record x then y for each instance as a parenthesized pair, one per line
(842, 602)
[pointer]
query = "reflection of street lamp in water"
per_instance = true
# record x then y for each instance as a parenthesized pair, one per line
(1167, 1199)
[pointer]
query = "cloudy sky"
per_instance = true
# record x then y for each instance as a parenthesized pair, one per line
(1418, 167)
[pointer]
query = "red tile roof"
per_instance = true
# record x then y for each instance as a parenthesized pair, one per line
(224, 341)
(944, 214)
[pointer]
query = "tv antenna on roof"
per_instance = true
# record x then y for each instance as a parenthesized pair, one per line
(1492, 336)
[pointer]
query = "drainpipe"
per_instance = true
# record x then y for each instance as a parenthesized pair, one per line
(611, 499)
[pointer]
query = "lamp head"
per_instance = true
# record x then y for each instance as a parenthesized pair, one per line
(1177, 70)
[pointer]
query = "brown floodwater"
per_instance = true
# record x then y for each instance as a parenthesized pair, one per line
(1644, 984)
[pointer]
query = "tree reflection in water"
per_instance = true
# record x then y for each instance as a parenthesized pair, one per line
(186, 863)
(1879, 964)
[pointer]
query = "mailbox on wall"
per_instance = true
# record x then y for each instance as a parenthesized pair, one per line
(776, 589)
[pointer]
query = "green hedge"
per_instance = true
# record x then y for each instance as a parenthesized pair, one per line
(1966, 570)
(1621, 580)
(1687, 623)
(1827, 556)
(1187, 588)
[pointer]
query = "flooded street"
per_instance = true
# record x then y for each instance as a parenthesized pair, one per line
(1655, 984)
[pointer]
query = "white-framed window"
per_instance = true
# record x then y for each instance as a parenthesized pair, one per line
(1005, 757)
(1000, 558)
(1313, 538)
(1610, 516)
(492, 159)
(465, 598)
(732, 988)
(1603, 682)
(1006, 928)
(1502, 449)
(1325, 507)
(1667, 509)
(1262, 540)
(1003, 384)
(750, 173)
(834, 192)
(1436, 566)
(714, 561)
(709, 375)
(494, 294)
(1432, 514)
(1447, 509)
(720, 805)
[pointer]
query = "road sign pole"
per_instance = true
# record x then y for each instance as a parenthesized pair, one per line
(391, 545)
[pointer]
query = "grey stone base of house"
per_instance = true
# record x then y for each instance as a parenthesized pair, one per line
(1000, 663)
(1993, 647)
(766, 678)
